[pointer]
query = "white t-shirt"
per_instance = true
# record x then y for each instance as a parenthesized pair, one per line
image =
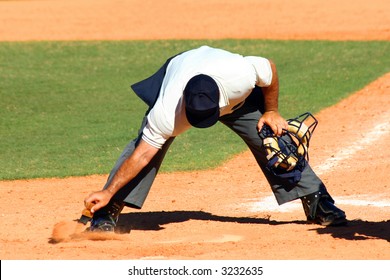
(235, 75)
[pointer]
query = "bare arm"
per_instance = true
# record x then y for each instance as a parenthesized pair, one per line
(130, 168)
(271, 115)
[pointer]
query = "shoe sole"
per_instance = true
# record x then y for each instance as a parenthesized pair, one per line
(336, 222)
(105, 227)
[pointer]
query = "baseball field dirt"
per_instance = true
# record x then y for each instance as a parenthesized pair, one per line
(228, 212)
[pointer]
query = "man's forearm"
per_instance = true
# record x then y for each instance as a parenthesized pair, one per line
(132, 166)
(271, 93)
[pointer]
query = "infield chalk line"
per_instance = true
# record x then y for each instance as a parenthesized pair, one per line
(269, 204)
(366, 140)
(369, 138)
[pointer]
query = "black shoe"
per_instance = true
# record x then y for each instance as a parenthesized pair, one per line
(320, 209)
(105, 219)
(329, 215)
(103, 224)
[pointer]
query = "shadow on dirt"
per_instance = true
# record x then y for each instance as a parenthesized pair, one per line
(355, 230)
(359, 230)
(156, 220)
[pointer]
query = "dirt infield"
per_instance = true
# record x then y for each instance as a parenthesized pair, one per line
(188, 19)
(228, 212)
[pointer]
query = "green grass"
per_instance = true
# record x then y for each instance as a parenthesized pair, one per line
(67, 108)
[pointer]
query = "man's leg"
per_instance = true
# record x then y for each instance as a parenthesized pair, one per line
(244, 121)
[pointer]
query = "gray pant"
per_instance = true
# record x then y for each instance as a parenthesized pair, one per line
(243, 121)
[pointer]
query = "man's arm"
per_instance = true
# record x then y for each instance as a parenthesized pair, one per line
(130, 168)
(271, 115)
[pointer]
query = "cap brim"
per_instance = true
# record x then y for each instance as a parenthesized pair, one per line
(204, 123)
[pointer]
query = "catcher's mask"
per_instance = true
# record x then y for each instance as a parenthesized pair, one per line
(288, 155)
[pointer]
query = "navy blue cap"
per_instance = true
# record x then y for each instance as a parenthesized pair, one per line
(201, 97)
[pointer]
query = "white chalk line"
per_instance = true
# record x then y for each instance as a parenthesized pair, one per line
(368, 139)
(269, 203)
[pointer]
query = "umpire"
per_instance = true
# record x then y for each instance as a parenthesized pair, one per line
(197, 88)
